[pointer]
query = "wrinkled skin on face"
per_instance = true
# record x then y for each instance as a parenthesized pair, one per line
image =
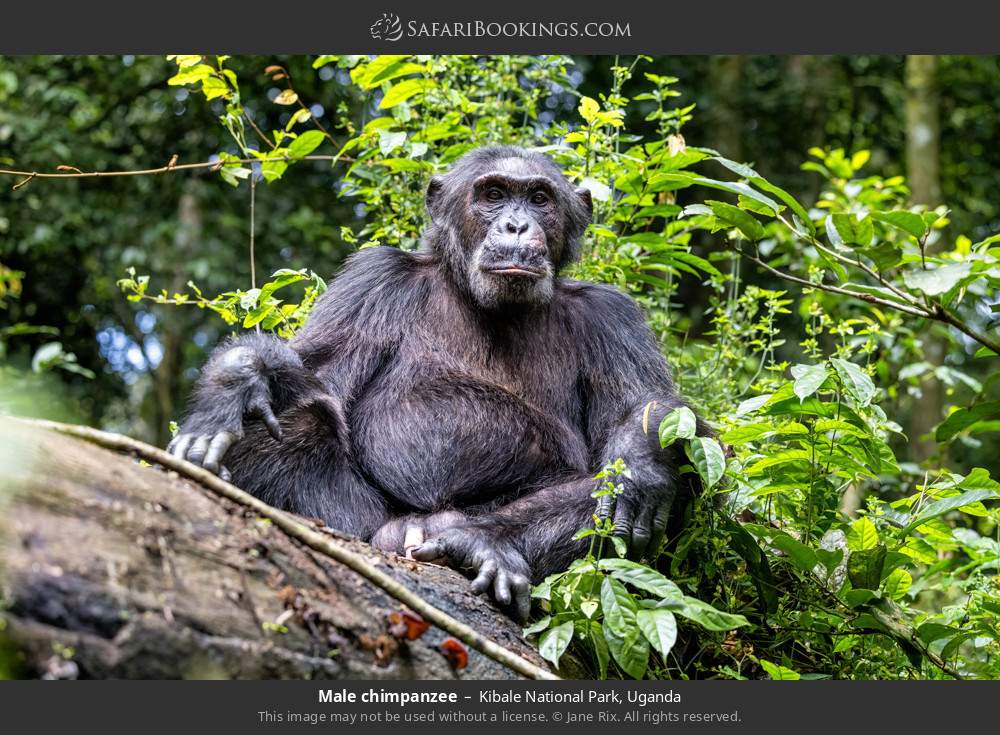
(509, 224)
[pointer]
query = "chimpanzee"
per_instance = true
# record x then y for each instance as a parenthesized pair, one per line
(456, 402)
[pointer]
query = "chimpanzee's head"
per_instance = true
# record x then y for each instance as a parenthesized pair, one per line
(504, 221)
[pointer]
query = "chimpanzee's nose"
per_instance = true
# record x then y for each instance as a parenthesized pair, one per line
(516, 226)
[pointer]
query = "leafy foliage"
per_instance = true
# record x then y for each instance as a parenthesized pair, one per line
(815, 549)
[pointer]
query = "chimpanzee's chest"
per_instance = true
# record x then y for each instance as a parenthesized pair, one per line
(459, 422)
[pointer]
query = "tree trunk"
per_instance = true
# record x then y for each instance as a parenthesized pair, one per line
(923, 133)
(114, 568)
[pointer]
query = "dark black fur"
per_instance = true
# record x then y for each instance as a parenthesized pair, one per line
(422, 383)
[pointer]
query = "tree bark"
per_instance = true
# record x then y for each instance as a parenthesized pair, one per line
(923, 134)
(113, 568)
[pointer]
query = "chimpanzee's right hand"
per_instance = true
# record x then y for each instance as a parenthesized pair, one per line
(209, 433)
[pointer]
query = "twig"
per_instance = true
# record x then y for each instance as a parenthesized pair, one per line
(308, 536)
(29, 175)
(836, 289)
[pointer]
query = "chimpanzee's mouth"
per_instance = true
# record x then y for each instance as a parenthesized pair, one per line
(518, 271)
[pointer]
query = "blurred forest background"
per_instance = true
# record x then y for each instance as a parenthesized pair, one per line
(931, 119)
(837, 321)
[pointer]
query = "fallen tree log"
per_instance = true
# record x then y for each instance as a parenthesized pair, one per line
(113, 567)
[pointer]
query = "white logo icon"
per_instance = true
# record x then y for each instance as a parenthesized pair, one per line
(387, 28)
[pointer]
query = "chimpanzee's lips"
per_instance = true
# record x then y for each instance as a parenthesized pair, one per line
(515, 270)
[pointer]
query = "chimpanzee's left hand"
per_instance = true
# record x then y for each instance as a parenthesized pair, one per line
(498, 566)
(640, 517)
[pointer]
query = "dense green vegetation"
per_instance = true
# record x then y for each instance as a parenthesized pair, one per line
(829, 306)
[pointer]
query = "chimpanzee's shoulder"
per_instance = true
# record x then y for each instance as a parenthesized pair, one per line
(596, 302)
(383, 261)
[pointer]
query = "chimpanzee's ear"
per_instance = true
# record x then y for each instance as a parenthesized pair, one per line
(584, 195)
(434, 196)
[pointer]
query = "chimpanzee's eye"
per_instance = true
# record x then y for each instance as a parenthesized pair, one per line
(493, 194)
(540, 198)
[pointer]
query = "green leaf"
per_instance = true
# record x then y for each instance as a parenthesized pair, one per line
(946, 505)
(777, 672)
(708, 458)
(641, 577)
(305, 143)
(752, 404)
(734, 216)
(862, 535)
(680, 423)
(631, 651)
(808, 379)
(553, 643)
(705, 615)
(801, 555)
(963, 418)
(909, 222)
(618, 606)
(856, 381)
(259, 314)
(389, 141)
(938, 281)
(864, 567)
(404, 90)
(537, 627)
(659, 626)
(897, 584)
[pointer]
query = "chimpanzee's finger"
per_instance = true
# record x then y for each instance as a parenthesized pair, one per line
(604, 505)
(179, 446)
(198, 450)
(225, 474)
(624, 517)
(217, 449)
(641, 533)
(522, 596)
(261, 408)
(486, 573)
(660, 519)
(501, 588)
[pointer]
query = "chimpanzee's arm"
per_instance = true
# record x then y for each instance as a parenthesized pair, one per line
(354, 326)
(624, 372)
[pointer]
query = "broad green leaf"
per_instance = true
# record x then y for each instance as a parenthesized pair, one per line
(595, 635)
(705, 615)
(752, 404)
(909, 222)
(305, 143)
(801, 555)
(708, 458)
(864, 567)
(259, 314)
(747, 433)
(777, 672)
(963, 418)
(808, 379)
(946, 505)
(659, 626)
(746, 223)
(404, 90)
(618, 606)
(737, 188)
(389, 141)
(862, 535)
(537, 627)
(630, 651)
(937, 281)
(680, 423)
(897, 584)
(641, 577)
(588, 108)
(856, 381)
(553, 643)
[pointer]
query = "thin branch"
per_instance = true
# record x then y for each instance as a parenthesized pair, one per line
(836, 289)
(312, 538)
(28, 175)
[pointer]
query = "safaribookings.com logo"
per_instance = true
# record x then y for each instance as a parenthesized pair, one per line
(390, 28)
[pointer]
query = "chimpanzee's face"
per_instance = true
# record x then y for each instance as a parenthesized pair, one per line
(512, 219)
